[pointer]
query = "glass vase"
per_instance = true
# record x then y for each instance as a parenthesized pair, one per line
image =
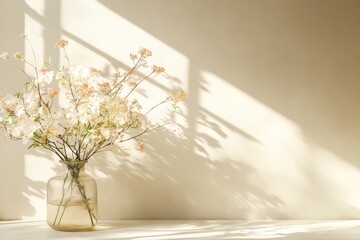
(72, 199)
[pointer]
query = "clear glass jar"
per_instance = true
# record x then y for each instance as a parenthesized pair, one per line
(72, 199)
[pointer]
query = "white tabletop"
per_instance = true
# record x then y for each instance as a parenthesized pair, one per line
(194, 229)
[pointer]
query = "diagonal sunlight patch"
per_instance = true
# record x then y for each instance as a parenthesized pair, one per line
(287, 164)
(35, 29)
(125, 37)
(36, 168)
(248, 119)
(37, 6)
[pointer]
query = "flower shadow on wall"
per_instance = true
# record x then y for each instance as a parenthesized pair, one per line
(182, 178)
(270, 53)
(173, 182)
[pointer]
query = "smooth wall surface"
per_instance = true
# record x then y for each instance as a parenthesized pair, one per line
(271, 124)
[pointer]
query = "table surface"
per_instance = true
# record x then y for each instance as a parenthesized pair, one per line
(194, 229)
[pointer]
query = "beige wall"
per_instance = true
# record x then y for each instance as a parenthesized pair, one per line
(272, 122)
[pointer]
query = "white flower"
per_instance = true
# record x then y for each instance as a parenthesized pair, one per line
(72, 119)
(105, 133)
(11, 120)
(43, 111)
(30, 97)
(59, 75)
(20, 112)
(92, 111)
(10, 100)
(81, 72)
(16, 131)
(24, 128)
(45, 78)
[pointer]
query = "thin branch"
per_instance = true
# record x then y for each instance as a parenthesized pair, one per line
(72, 150)
(146, 77)
(34, 55)
(127, 74)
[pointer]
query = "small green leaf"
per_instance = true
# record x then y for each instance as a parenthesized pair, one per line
(18, 94)
(33, 145)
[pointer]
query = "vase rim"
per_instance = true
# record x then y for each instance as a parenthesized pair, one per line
(73, 161)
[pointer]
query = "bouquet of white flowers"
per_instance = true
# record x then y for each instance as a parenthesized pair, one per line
(98, 113)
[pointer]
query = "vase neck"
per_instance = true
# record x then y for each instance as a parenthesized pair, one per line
(75, 167)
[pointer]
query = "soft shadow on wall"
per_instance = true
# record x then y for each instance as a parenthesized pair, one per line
(285, 55)
(299, 59)
(179, 179)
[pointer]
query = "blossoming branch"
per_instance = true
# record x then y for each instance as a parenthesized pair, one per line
(99, 111)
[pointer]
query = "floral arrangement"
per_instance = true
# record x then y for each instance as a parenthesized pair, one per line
(96, 113)
(99, 112)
